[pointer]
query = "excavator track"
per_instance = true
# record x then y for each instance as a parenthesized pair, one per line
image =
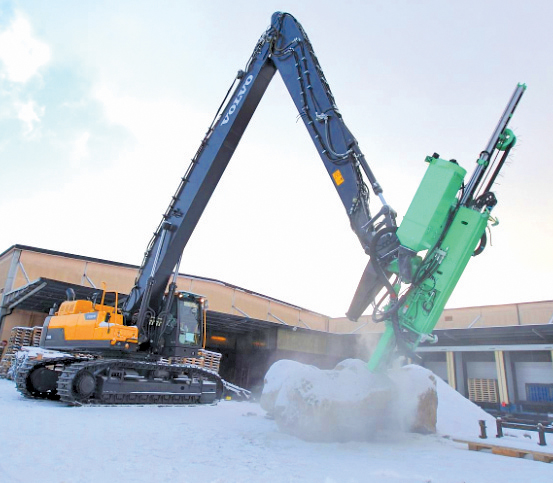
(115, 381)
(36, 378)
(93, 380)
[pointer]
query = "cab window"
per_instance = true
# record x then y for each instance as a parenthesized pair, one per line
(189, 322)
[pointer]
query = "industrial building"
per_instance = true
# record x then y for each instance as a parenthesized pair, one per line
(501, 356)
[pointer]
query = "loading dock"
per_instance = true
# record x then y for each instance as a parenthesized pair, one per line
(499, 368)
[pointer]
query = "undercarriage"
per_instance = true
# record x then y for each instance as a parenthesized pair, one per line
(88, 379)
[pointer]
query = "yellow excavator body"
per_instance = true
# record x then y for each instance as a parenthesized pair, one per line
(90, 324)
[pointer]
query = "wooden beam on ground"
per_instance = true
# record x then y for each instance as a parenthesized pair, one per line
(507, 451)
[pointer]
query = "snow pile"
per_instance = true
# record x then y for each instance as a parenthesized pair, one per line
(457, 416)
(415, 404)
(348, 403)
(39, 353)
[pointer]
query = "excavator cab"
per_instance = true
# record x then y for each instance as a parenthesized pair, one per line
(183, 332)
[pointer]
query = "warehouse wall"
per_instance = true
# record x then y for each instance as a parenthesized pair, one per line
(119, 278)
(226, 298)
(5, 262)
(222, 297)
(530, 313)
(497, 315)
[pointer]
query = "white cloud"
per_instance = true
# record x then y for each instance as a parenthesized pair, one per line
(21, 54)
(150, 121)
(80, 147)
(29, 113)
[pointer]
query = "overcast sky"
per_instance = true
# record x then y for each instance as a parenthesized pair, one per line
(102, 105)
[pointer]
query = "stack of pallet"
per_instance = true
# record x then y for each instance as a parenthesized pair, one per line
(211, 360)
(35, 336)
(19, 337)
(207, 359)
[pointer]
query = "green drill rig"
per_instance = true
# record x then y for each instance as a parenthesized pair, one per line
(420, 262)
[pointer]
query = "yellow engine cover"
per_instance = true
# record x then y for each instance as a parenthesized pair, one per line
(83, 321)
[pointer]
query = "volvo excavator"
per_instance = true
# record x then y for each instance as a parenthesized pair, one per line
(118, 353)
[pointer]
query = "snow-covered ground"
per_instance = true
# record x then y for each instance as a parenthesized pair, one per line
(46, 442)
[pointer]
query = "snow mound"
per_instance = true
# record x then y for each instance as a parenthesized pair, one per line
(415, 404)
(457, 416)
(348, 403)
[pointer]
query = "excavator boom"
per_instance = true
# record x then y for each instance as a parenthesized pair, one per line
(285, 47)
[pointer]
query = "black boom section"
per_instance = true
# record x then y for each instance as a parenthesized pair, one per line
(197, 186)
(286, 48)
(303, 76)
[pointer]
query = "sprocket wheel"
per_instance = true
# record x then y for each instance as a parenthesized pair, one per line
(84, 386)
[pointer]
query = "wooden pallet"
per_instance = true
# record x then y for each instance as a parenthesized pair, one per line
(507, 451)
(483, 390)
(212, 360)
(207, 359)
(19, 337)
(35, 336)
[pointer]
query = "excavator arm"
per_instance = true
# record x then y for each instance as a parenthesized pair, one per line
(284, 47)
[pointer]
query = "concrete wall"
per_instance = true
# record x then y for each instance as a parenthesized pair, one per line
(532, 373)
(20, 318)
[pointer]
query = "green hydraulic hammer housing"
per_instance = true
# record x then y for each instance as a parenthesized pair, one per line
(443, 228)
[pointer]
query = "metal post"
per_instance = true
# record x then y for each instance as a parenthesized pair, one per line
(502, 379)
(9, 285)
(499, 424)
(22, 268)
(483, 434)
(451, 376)
(541, 435)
